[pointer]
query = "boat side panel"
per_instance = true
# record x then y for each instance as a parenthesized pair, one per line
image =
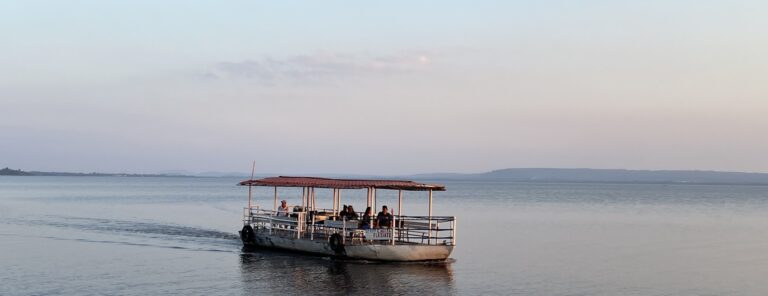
(320, 247)
(399, 252)
(365, 251)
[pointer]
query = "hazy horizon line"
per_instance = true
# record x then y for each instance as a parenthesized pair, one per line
(233, 173)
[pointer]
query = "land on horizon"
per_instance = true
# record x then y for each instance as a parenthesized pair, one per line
(544, 175)
(18, 172)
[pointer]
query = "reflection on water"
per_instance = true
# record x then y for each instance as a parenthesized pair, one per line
(273, 272)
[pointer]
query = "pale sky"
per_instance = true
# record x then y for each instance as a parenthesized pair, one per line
(383, 87)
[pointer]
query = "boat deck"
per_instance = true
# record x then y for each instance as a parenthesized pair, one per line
(406, 230)
(311, 229)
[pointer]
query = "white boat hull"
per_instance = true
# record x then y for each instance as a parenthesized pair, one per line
(377, 252)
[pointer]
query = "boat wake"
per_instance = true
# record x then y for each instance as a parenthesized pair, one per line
(150, 233)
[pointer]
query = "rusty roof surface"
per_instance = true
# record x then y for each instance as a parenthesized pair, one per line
(286, 181)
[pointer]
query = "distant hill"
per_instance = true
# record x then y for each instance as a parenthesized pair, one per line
(10, 172)
(543, 175)
(606, 176)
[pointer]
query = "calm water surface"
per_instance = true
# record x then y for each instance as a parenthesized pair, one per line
(150, 236)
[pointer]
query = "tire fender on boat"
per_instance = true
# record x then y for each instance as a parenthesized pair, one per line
(337, 243)
(247, 234)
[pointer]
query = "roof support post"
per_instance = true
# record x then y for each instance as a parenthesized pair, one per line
(333, 204)
(368, 202)
(373, 199)
(314, 199)
(430, 215)
(303, 196)
(275, 207)
(400, 202)
(430, 205)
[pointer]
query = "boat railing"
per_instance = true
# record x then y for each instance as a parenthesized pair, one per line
(275, 223)
(434, 230)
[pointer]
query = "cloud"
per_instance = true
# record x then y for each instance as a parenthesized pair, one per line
(321, 67)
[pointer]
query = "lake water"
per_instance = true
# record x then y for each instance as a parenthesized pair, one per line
(178, 236)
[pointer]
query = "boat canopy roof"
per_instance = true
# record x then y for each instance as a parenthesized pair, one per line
(286, 181)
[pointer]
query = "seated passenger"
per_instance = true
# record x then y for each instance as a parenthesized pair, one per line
(366, 222)
(384, 218)
(343, 213)
(351, 215)
(283, 210)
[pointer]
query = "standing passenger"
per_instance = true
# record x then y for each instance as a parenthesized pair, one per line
(283, 209)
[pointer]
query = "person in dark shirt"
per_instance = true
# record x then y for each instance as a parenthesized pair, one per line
(384, 218)
(366, 223)
(351, 215)
(343, 213)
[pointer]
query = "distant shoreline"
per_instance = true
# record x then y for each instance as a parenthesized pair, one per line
(469, 180)
(607, 176)
(11, 172)
(521, 175)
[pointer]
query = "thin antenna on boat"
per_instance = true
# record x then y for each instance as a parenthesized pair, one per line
(253, 169)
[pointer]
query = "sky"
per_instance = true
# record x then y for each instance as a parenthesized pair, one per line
(382, 87)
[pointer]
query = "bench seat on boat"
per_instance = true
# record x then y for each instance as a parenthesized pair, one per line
(340, 224)
(419, 225)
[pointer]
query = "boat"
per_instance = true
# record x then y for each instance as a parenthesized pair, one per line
(310, 229)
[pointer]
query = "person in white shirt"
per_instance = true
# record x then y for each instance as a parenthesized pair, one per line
(283, 209)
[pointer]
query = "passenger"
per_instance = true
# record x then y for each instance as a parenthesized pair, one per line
(384, 218)
(351, 215)
(283, 210)
(366, 223)
(343, 213)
